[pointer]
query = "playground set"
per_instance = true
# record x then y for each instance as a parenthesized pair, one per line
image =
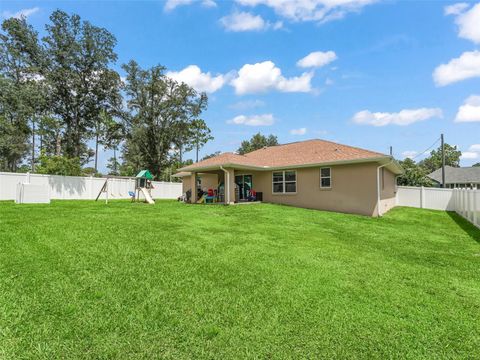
(143, 185)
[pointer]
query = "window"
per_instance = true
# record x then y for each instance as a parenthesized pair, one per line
(325, 178)
(284, 182)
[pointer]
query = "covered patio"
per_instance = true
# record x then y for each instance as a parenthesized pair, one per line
(220, 185)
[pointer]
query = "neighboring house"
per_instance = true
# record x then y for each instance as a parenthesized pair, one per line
(458, 177)
(313, 174)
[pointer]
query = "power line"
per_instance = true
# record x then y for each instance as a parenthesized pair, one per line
(424, 151)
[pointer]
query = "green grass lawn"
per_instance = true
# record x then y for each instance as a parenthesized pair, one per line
(89, 280)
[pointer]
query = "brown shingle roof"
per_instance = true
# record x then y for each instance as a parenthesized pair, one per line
(292, 154)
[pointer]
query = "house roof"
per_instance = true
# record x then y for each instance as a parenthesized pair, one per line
(296, 154)
(457, 175)
(181, 174)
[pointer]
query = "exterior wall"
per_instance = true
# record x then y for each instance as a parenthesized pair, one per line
(354, 189)
(185, 184)
(388, 190)
(207, 180)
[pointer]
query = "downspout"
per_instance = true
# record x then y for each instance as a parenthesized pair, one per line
(227, 185)
(378, 185)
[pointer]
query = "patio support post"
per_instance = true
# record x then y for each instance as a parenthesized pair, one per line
(193, 186)
(231, 186)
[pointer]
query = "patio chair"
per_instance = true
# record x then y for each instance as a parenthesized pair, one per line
(210, 196)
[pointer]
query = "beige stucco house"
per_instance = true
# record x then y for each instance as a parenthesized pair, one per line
(315, 174)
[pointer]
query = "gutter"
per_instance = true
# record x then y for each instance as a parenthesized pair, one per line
(378, 185)
(227, 185)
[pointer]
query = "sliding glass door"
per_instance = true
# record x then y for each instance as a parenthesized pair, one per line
(244, 183)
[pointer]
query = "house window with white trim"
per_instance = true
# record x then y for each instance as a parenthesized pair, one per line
(326, 178)
(284, 182)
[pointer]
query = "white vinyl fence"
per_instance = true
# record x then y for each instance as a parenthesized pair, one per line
(82, 188)
(465, 202)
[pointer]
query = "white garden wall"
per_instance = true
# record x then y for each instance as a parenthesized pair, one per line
(82, 188)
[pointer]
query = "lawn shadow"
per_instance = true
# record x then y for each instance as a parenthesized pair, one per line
(466, 226)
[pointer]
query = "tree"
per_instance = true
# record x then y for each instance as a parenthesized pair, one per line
(113, 166)
(475, 165)
(107, 132)
(59, 165)
(216, 153)
(414, 175)
(161, 112)
(257, 141)
(50, 131)
(20, 92)
(76, 61)
(200, 135)
(13, 143)
(66, 77)
(434, 161)
(90, 171)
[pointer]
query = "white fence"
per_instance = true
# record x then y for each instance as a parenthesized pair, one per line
(465, 202)
(82, 188)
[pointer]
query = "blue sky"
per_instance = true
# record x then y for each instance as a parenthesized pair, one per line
(378, 74)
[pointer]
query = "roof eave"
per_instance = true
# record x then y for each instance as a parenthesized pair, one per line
(393, 166)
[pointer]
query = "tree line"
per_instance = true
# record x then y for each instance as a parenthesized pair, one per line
(60, 93)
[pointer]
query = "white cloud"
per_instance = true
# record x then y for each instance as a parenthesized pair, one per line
(300, 131)
(245, 21)
(469, 155)
(209, 3)
(464, 67)
(260, 77)
(21, 13)
(194, 77)
(253, 120)
(172, 4)
(470, 110)
(474, 148)
(402, 118)
(310, 10)
(409, 154)
(248, 104)
(472, 153)
(468, 21)
(455, 9)
(317, 59)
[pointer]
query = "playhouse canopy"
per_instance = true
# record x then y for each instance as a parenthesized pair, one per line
(145, 174)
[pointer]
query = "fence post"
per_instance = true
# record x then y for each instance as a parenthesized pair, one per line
(422, 197)
(462, 202)
(474, 206)
(27, 180)
(455, 200)
(90, 187)
(470, 203)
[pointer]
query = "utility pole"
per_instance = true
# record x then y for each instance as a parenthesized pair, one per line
(391, 151)
(443, 161)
